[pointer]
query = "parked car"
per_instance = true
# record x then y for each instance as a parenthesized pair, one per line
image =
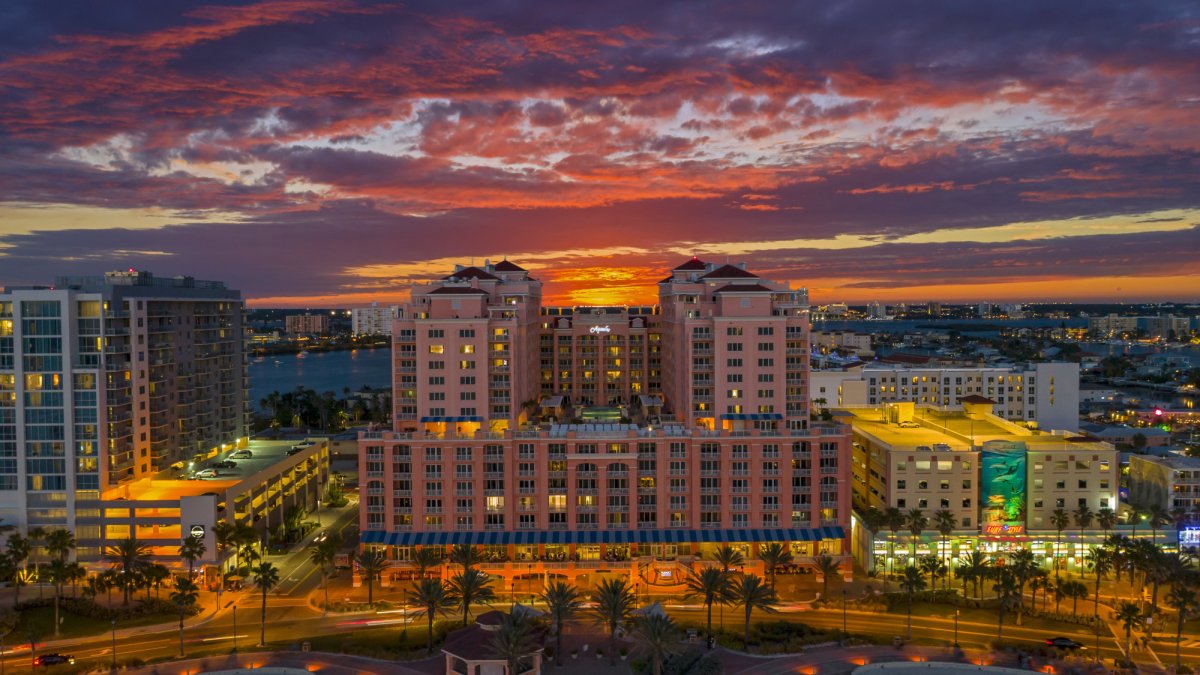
(1064, 643)
(242, 454)
(53, 659)
(909, 425)
(206, 473)
(227, 464)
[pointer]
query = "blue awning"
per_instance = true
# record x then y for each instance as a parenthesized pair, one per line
(451, 418)
(753, 416)
(585, 537)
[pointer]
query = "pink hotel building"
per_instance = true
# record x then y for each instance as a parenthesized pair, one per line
(631, 440)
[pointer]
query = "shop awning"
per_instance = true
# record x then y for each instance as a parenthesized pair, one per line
(551, 537)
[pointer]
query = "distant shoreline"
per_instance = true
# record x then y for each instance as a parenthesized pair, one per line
(292, 349)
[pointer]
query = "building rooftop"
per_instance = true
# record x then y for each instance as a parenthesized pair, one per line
(729, 272)
(470, 273)
(952, 431)
(457, 290)
(744, 288)
(1182, 462)
(695, 264)
(506, 266)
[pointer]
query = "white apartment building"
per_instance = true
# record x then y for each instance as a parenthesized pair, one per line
(373, 320)
(1172, 482)
(1045, 393)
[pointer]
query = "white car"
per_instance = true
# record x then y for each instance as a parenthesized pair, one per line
(206, 473)
(909, 425)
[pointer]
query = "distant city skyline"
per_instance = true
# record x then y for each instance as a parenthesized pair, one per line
(334, 152)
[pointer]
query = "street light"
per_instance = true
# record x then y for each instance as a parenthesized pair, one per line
(114, 644)
(1097, 656)
(956, 629)
(235, 629)
(844, 616)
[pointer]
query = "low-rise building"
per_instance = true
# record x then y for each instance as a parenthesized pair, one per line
(1171, 482)
(1044, 393)
(1002, 483)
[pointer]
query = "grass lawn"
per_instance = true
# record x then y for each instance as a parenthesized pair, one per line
(41, 621)
(385, 642)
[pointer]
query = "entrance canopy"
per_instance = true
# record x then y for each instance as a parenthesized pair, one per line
(529, 537)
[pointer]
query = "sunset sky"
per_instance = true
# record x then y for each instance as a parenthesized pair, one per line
(331, 153)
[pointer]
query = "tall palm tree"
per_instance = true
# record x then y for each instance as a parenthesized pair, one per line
(17, 549)
(60, 543)
(1106, 518)
(513, 641)
(465, 555)
(371, 564)
(192, 549)
(1130, 617)
(1039, 582)
(1159, 517)
(711, 585)
(1005, 587)
(1136, 513)
(153, 575)
(1100, 560)
(1059, 519)
(659, 635)
(224, 532)
(1117, 545)
(426, 558)
(434, 598)
(893, 519)
(1083, 518)
(1022, 563)
(615, 603)
(774, 554)
(750, 593)
(266, 577)
(916, 521)
(827, 567)
(184, 597)
(470, 587)
(563, 602)
(945, 522)
(911, 583)
(873, 522)
(1076, 590)
(57, 573)
(931, 566)
(322, 556)
(130, 557)
(1183, 599)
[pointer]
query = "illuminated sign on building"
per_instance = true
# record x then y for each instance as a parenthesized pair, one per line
(1189, 536)
(596, 330)
(1003, 529)
(197, 531)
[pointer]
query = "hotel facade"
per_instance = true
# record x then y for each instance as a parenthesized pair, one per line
(588, 439)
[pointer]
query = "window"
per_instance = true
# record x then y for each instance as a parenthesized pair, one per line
(901, 484)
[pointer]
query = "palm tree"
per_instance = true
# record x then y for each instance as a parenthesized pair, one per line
(774, 554)
(1076, 590)
(1059, 519)
(912, 582)
(1158, 517)
(513, 640)
(563, 602)
(465, 555)
(873, 522)
(1136, 513)
(893, 518)
(729, 558)
(1101, 563)
(711, 585)
(57, 573)
(1022, 564)
(1039, 582)
(972, 567)
(1083, 518)
(470, 587)
(129, 556)
(192, 549)
(1005, 587)
(945, 522)
(425, 559)
(659, 634)
(266, 576)
(916, 521)
(1183, 599)
(750, 593)
(153, 575)
(371, 564)
(1106, 518)
(434, 598)
(614, 606)
(60, 543)
(1130, 617)
(224, 532)
(18, 549)
(322, 556)
(826, 567)
(184, 597)
(931, 566)
(1117, 546)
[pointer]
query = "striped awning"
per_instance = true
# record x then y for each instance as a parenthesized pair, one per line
(534, 537)
(451, 418)
(752, 416)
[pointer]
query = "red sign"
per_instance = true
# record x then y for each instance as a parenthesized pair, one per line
(1003, 529)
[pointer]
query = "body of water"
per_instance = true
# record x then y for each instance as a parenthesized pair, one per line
(973, 327)
(322, 371)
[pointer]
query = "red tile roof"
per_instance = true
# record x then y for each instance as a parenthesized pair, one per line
(667, 280)
(506, 266)
(693, 264)
(744, 288)
(471, 273)
(729, 272)
(457, 290)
